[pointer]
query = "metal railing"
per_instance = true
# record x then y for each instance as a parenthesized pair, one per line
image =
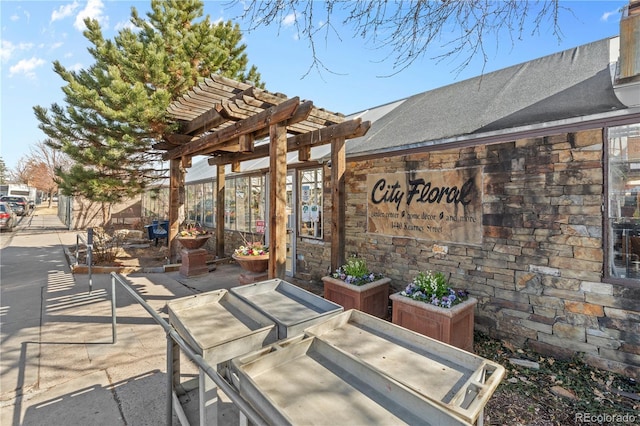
(88, 242)
(174, 337)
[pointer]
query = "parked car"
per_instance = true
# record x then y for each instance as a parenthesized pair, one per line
(8, 217)
(17, 209)
(21, 201)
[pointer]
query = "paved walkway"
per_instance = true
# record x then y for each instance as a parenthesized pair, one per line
(57, 363)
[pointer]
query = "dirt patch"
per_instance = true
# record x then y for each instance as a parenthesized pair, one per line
(554, 392)
(128, 253)
(143, 255)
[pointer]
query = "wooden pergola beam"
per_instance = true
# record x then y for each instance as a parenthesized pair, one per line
(176, 201)
(338, 168)
(277, 201)
(347, 130)
(205, 121)
(276, 114)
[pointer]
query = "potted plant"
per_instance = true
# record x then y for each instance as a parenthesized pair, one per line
(194, 257)
(193, 236)
(252, 256)
(430, 306)
(355, 287)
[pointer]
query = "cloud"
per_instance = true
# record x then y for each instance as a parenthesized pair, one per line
(64, 11)
(26, 67)
(14, 17)
(75, 67)
(7, 49)
(125, 24)
(93, 10)
(605, 16)
(289, 20)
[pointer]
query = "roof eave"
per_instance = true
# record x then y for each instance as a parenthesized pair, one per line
(574, 124)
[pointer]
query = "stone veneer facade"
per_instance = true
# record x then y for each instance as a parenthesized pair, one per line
(538, 273)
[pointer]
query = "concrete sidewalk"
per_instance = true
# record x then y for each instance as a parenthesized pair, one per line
(57, 364)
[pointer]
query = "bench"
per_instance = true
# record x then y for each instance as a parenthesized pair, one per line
(158, 230)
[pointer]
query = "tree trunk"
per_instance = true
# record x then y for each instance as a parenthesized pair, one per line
(106, 213)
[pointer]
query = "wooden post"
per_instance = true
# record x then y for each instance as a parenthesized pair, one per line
(176, 201)
(277, 201)
(338, 167)
(220, 186)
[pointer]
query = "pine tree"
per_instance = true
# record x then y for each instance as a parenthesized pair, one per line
(115, 110)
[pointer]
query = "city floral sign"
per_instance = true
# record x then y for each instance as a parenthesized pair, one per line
(437, 205)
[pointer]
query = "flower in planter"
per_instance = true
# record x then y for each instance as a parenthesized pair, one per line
(252, 248)
(192, 230)
(355, 272)
(430, 287)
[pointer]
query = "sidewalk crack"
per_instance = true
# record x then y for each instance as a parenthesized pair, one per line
(116, 398)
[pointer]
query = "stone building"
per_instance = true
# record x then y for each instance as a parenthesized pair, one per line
(522, 186)
(517, 184)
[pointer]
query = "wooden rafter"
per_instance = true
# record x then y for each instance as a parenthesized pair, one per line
(218, 102)
(347, 130)
(278, 113)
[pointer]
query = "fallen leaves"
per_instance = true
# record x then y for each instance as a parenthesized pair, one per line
(541, 390)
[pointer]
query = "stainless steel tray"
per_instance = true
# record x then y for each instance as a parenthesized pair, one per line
(310, 382)
(458, 381)
(219, 326)
(290, 307)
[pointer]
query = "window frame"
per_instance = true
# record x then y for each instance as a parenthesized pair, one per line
(315, 194)
(608, 236)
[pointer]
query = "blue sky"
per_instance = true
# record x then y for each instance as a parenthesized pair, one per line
(35, 33)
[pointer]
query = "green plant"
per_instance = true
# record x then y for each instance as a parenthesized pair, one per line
(430, 287)
(356, 272)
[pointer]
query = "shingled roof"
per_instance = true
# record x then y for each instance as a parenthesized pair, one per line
(572, 83)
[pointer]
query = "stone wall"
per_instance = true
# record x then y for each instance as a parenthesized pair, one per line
(538, 273)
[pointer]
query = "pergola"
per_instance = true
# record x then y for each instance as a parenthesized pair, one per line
(223, 119)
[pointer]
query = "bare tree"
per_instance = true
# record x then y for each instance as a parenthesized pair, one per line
(51, 161)
(38, 168)
(454, 28)
(20, 173)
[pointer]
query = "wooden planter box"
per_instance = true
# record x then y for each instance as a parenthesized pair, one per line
(372, 298)
(453, 326)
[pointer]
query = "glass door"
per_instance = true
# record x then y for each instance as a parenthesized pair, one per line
(291, 222)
